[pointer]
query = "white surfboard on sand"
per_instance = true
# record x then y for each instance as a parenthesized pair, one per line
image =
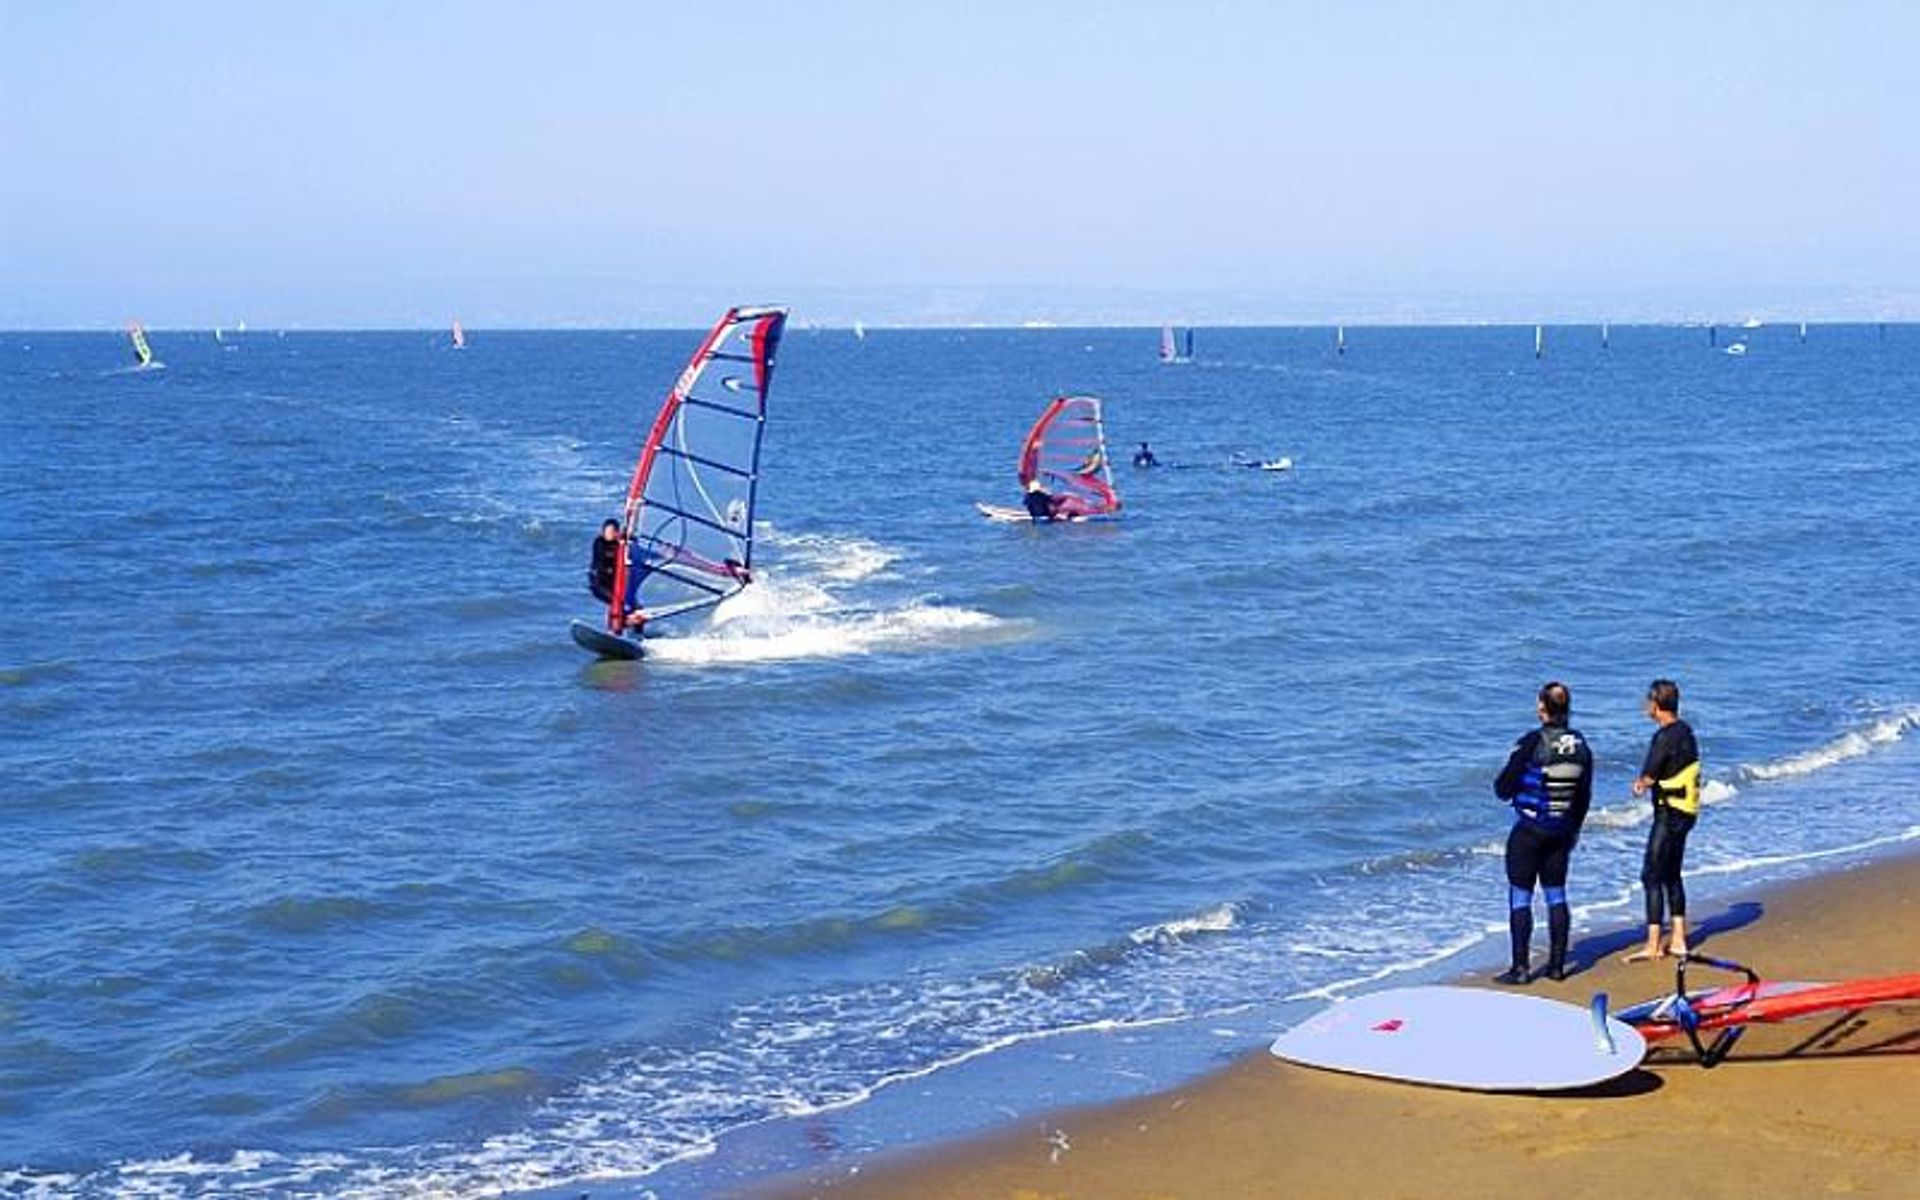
(1470, 1038)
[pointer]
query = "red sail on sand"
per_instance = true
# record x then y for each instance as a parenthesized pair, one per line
(1066, 450)
(687, 530)
(1728, 1011)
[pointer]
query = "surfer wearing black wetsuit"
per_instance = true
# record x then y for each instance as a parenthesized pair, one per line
(606, 561)
(1549, 781)
(1038, 502)
(1671, 775)
(1143, 457)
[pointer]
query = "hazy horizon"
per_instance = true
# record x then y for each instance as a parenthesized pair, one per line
(606, 166)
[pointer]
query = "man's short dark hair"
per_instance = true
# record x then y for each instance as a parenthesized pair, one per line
(1555, 700)
(1665, 694)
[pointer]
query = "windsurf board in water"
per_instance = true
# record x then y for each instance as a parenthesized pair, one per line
(1020, 516)
(1470, 1038)
(607, 645)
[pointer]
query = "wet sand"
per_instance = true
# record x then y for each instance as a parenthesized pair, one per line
(1823, 1106)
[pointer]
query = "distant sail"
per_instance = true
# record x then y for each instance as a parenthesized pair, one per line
(1539, 340)
(142, 353)
(1340, 340)
(1066, 450)
(859, 331)
(459, 337)
(1170, 345)
(688, 525)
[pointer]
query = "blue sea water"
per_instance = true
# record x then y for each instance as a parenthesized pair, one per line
(334, 868)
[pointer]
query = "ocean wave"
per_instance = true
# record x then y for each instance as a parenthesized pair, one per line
(27, 674)
(1218, 919)
(1757, 862)
(1856, 743)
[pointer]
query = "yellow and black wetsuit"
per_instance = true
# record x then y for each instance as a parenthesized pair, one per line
(1673, 763)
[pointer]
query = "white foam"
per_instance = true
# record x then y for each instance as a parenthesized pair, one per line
(780, 636)
(1339, 987)
(1218, 919)
(837, 558)
(1850, 745)
(821, 596)
(1717, 791)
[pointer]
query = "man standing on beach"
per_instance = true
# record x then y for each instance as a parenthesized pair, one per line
(1672, 774)
(1549, 781)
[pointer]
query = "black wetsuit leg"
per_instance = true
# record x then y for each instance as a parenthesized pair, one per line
(1553, 881)
(1535, 855)
(1660, 871)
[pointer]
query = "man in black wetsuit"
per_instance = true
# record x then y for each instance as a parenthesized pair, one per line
(1549, 781)
(1671, 774)
(1143, 457)
(1038, 502)
(606, 560)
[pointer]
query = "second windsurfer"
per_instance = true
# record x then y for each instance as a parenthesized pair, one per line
(1038, 501)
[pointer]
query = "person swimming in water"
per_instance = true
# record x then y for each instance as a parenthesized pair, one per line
(1143, 457)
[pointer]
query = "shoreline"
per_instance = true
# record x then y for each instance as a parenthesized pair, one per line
(1822, 1105)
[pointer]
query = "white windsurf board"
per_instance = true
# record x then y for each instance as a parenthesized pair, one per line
(1470, 1038)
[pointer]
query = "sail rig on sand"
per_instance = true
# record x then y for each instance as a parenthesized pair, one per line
(1726, 1013)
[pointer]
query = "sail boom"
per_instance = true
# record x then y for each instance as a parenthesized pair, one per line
(715, 406)
(707, 462)
(683, 515)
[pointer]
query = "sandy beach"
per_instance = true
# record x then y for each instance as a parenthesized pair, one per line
(1823, 1106)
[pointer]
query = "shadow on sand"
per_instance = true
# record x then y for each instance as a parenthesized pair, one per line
(1584, 953)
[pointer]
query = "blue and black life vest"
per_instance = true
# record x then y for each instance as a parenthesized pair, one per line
(1551, 783)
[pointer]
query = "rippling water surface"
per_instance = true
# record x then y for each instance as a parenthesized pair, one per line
(332, 866)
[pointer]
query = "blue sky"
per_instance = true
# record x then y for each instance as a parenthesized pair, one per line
(353, 163)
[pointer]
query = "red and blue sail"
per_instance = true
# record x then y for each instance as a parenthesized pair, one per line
(687, 529)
